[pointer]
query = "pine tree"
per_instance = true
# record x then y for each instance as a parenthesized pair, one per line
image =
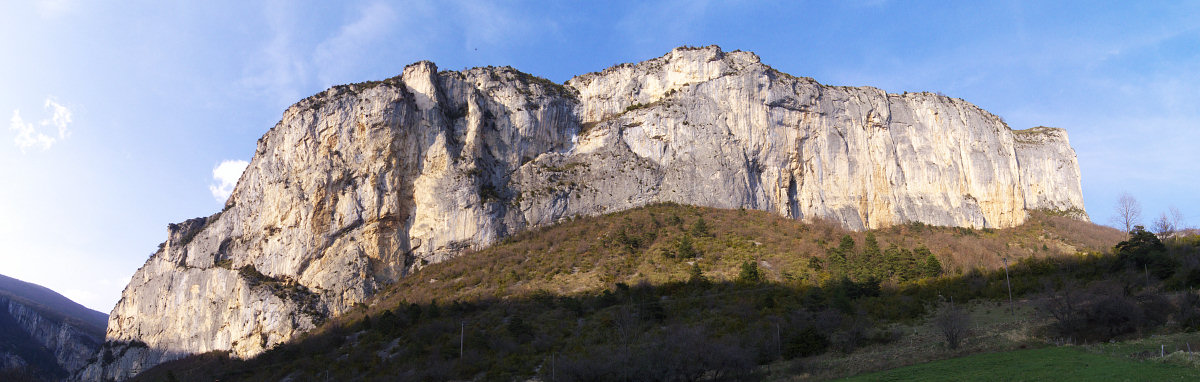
(684, 248)
(696, 276)
(749, 273)
(846, 246)
(909, 267)
(892, 262)
(845, 258)
(872, 259)
(931, 267)
(700, 229)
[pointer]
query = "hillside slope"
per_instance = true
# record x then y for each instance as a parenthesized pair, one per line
(43, 333)
(361, 184)
(596, 295)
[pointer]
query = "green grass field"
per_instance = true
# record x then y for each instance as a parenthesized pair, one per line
(1048, 364)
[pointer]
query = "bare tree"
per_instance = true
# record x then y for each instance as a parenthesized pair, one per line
(1128, 212)
(1164, 226)
(1177, 219)
(954, 323)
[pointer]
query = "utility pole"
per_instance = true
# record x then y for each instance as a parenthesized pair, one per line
(778, 342)
(1011, 308)
(462, 333)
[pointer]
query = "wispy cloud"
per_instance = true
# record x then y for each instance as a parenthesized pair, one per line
(226, 176)
(489, 24)
(54, 8)
(30, 135)
(279, 72)
(336, 57)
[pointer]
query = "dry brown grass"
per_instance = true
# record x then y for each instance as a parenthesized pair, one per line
(586, 255)
(1042, 235)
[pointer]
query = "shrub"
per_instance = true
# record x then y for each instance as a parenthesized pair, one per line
(519, 329)
(1188, 313)
(252, 274)
(1103, 312)
(635, 106)
(953, 323)
(807, 342)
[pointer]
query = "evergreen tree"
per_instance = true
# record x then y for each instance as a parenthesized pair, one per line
(696, 276)
(749, 273)
(892, 262)
(684, 248)
(846, 258)
(931, 266)
(837, 263)
(700, 229)
(910, 264)
(872, 258)
(846, 247)
(433, 311)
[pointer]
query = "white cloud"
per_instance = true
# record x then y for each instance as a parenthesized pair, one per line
(30, 135)
(226, 176)
(60, 119)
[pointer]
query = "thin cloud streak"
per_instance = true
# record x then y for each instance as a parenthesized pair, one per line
(336, 57)
(277, 72)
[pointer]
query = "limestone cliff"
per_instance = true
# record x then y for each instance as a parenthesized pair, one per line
(360, 184)
(1049, 171)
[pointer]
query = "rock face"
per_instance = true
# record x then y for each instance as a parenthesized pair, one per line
(44, 333)
(361, 184)
(1049, 171)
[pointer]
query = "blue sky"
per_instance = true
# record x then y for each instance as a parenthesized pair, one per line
(119, 112)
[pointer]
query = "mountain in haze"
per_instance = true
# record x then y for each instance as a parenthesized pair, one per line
(361, 184)
(43, 334)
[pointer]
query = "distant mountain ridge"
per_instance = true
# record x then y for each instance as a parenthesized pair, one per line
(44, 333)
(361, 184)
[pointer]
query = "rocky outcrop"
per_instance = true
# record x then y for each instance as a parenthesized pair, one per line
(360, 184)
(40, 334)
(1049, 171)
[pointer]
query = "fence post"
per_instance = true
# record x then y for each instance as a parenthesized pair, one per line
(1011, 308)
